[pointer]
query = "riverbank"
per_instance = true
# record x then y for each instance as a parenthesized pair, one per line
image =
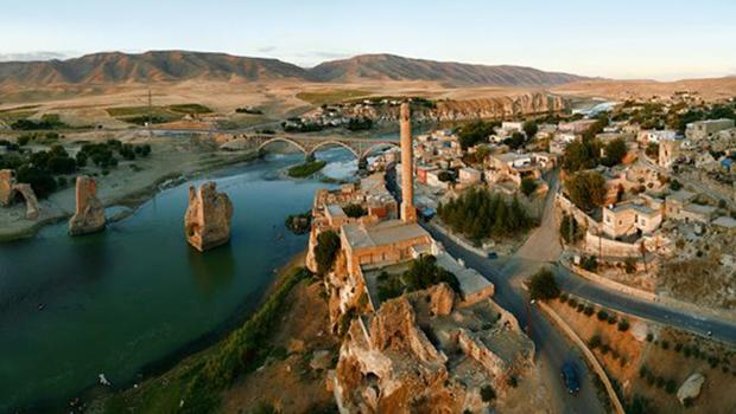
(130, 184)
(199, 378)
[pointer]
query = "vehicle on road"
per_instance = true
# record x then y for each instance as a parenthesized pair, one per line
(570, 378)
(492, 255)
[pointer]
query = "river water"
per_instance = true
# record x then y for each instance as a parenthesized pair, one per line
(119, 301)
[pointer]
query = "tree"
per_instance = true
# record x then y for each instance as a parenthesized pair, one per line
(328, 244)
(515, 141)
(530, 129)
(528, 186)
(542, 285)
(587, 189)
(475, 133)
(487, 393)
(580, 155)
(652, 150)
(570, 230)
(615, 152)
(354, 210)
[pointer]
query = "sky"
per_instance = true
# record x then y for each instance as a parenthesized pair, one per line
(623, 39)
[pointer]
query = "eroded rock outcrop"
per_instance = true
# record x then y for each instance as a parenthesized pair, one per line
(208, 217)
(89, 216)
(6, 187)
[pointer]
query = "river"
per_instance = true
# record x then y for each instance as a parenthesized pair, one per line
(123, 301)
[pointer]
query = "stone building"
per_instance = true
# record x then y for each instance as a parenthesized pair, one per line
(705, 129)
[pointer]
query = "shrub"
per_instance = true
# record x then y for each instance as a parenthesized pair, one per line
(602, 315)
(542, 285)
(650, 337)
(563, 297)
(612, 320)
(328, 245)
(589, 310)
(595, 341)
(678, 347)
(487, 393)
(354, 210)
(665, 344)
(605, 348)
(581, 307)
(589, 263)
(671, 386)
(573, 303)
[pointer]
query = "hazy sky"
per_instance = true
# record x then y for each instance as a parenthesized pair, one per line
(621, 39)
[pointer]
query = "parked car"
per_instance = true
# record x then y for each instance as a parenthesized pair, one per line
(492, 255)
(570, 378)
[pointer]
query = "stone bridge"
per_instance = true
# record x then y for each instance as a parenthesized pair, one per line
(360, 147)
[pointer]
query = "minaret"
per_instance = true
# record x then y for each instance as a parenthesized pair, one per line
(408, 211)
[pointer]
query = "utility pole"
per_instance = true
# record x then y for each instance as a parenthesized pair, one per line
(150, 112)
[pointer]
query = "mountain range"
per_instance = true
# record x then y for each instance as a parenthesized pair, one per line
(177, 66)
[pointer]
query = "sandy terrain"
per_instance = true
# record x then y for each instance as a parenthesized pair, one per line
(630, 350)
(708, 89)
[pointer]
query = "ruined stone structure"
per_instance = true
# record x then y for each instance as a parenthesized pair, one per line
(89, 216)
(669, 150)
(408, 211)
(9, 190)
(421, 352)
(207, 219)
(6, 187)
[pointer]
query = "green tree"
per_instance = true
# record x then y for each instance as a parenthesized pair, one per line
(515, 141)
(581, 155)
(475, 133)
(528, 186)
(530, 129)
(615, 152)
(542, 285)
(354, 210)
(328, 245)
(570, 229)
(587, 189)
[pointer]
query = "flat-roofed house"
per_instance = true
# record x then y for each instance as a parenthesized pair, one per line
(630, 218)
(704, 129)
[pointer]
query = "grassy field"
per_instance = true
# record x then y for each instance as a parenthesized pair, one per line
(158, 114)
(331, 96)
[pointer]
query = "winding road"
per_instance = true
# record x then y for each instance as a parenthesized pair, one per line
(541, 249)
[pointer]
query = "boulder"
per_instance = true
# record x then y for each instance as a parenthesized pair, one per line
(690, 389)
(208, 217)
(89, 216)
(6, 187)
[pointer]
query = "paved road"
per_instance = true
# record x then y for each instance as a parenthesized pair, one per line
(553, 348)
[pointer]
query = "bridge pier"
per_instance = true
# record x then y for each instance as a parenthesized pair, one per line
(309, 157)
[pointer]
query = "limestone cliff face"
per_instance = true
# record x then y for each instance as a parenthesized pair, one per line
(90, 214)
(498, 107)
(208, 217)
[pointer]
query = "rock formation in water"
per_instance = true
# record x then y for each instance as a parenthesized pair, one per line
(90, 214)
(207, 220)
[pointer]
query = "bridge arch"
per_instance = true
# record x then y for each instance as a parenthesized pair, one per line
(378, 145)
(282, 139)
(336, 143)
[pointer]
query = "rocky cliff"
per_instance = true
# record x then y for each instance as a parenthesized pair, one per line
(90, 214)
(208, 216)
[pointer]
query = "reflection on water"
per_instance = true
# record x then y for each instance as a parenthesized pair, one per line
(214, 270)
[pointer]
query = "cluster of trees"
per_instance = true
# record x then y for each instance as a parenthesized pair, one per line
(325, 252)
(299, 223)
(586, 189)
(47, 121)
(529, 186)
(423, 273)
(354, 210)
(479, 214)
(586, 154)
(302, 127)
(103, 154)
(476, 132)
(248, 110)
(359, 124)
(570, 230)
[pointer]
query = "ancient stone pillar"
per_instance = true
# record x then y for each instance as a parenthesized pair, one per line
(208, 217)
(90, 214)
(6, 187)
(408, 211)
